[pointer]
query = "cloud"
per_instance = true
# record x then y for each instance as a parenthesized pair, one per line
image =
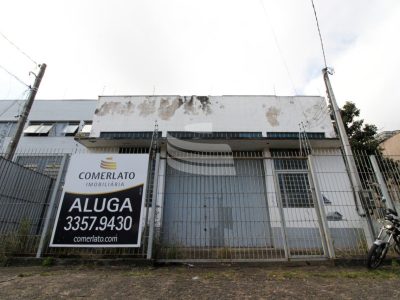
(366, 73)
(204, 47)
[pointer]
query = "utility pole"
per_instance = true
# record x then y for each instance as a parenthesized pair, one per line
(348, 153)
(25, 113)
(342, 133)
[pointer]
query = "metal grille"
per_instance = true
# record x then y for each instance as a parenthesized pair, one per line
(24, 237)
(24, 196)
(300, 219)
(218, 214)
(225, 206)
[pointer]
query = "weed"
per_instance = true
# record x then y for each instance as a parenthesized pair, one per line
(174, 252)
(209, 275)
(395, 263)
(224, 253)
(48, 262)
(17, 242)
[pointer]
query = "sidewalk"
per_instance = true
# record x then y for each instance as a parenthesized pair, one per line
(199, 283)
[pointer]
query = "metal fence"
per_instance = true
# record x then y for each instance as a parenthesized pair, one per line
(259, 206)
(227, 206)
(24, 197)
(52, 165)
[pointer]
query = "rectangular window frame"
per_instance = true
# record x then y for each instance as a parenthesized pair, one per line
(298, 194)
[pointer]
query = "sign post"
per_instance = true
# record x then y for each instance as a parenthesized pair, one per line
(103, 201)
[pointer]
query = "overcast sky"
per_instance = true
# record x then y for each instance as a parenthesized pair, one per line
(206, 47)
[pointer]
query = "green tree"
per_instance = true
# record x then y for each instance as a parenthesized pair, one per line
(362, 137)
(363, 141)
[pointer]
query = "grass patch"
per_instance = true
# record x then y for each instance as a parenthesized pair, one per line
(48, 262)
(209, 275)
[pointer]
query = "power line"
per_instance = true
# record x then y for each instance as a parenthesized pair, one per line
(319, 32)
(15, 77)
(22, 97)
(278, 47)
(16, 47)
(8, 108)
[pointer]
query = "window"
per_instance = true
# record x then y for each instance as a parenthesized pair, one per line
(48, 165)
(38, 129)
(64, 128)
(7, 128)
(70, 130)
(214, 135)
(295, 190)
(146, 135)
(292, 174)
(295, 135)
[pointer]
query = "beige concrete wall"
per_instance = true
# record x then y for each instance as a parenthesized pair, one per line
(391, 147)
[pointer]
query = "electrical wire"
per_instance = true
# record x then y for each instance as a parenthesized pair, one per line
(8, 108)
(20, 98)
(15, 77)
(319, 32)
(318, 115)
(279, 48)
(16, 47)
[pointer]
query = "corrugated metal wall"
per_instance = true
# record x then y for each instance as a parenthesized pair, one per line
(217, 210)
(24, 195)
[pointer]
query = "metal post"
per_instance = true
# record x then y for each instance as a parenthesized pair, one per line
(51, 206)
(321, 211)
(273, 204)
(348, 157)
(348, 153)
(153, 207)
(161, 188)
(381, 182)
(24, 116)
(279, 213)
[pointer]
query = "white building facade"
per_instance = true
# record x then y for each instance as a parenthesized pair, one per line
(236, 177)
(235, 172)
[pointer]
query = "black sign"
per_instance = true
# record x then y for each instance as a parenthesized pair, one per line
(107, 220)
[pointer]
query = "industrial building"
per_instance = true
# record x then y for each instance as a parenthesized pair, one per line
(237, 177)
(51, 128)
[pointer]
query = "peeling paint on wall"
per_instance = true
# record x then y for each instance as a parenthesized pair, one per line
(147, 107)
(272, 116)
(115, 108)
(189, 106)
(205, 104)
(167, 109)
(231, 113)
(195, 104)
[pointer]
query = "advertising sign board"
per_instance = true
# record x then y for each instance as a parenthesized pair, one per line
(102, 202)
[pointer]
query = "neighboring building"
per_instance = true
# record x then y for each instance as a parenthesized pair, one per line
(384, 135)
(391, 145)
(51, 128)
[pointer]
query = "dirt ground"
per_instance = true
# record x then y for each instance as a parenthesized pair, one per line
(184, 282)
